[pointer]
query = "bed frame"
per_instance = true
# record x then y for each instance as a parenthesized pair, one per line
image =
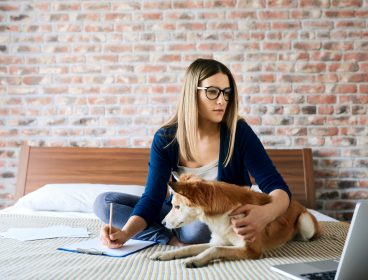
(45, 165)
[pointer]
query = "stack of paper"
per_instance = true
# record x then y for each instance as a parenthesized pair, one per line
(26, 234)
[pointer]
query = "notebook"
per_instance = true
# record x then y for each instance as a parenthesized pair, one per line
(353, 261)
(95, 247)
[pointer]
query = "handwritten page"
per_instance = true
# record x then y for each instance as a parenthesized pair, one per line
(27, 234)
(95, 247)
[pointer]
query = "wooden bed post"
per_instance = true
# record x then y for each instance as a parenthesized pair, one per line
(309, 177)
(22, 171)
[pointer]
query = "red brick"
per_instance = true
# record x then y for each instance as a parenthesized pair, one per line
(182, 15)
(307, 89)
(363, 120)
(314, 3)
(309, 141)
(356, 78)
(338, 46)
(318, 24)
(253, 120)
(220, 4)
(285, 25)
(347, 3)
(7, 7)
(184, 4)
(327, 78)
(267, 15)
(350, 24)
(321, 99)
(363, 88)
(291, 131)
(343, 67)
(262, 78)
(323, 131)
(129, 27)
(274, 46)
(339, 13)
(242, 15)
(341, 88)
(307, 45)
(297, 78)
(161, 5)
(287, 99)
(252, 4)
(126, 16)
(91, 27)
(310, 67)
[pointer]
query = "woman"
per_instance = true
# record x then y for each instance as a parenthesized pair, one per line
(206, 137)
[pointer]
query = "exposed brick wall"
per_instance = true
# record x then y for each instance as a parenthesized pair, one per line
(108, 73)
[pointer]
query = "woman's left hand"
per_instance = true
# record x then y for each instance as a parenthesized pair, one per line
(248, 221)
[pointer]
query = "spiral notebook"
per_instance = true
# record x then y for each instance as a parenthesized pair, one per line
(95, 247)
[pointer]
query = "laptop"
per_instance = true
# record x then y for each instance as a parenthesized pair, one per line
(353, 262)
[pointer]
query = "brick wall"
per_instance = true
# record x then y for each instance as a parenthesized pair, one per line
(108, 73)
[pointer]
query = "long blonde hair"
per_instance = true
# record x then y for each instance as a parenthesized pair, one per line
(186, 116)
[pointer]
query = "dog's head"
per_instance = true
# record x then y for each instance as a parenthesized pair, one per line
(183, 210)
(192, 197)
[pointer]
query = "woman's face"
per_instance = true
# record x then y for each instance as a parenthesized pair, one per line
(213, 110)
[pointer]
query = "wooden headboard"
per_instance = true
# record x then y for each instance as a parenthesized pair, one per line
(45, 165)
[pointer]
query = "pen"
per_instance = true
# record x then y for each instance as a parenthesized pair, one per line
(110, 223)
(89, 251)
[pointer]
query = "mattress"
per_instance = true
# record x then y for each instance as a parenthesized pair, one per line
(40, 259)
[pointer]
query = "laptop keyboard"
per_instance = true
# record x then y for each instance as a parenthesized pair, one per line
(328, 275)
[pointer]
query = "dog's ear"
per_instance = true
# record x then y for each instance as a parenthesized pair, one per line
(185, 188)
(175, 186)
(179, 187)
(196, 191)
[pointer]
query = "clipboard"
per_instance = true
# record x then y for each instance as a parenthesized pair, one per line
(94, 247)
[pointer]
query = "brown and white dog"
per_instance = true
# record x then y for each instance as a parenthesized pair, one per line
(211, 202)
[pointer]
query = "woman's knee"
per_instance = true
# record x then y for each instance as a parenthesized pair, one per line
(123, 203)
(101, 206)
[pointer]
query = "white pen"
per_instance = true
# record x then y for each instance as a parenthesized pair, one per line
(110, 222)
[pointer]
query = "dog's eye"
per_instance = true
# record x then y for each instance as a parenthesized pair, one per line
(176, 206)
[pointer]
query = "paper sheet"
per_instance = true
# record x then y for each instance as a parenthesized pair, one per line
(95, 247)
(27, 234)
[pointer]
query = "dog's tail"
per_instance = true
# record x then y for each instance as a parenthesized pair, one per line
(308, 227)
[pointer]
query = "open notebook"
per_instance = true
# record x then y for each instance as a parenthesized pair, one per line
(94, 247)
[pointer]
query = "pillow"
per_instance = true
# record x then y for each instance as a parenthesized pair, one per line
(71, 197)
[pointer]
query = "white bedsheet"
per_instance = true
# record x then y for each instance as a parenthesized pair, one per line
(26, 211)
(17, 210)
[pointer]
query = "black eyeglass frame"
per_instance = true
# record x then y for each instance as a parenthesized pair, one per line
(226, 97)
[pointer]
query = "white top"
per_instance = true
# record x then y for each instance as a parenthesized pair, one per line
(207, 172)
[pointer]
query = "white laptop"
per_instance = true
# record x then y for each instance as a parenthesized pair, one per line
(353, 263)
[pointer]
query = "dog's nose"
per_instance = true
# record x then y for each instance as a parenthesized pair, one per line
(163, 223)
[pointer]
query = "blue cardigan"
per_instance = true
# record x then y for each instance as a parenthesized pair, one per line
(249, 156)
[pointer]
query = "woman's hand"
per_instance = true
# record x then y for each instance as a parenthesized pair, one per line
(248, 221)
(251, 219)
(114, 240)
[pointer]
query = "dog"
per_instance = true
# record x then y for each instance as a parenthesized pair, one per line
(211, 202)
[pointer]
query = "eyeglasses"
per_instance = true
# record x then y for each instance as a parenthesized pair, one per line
(213, 93)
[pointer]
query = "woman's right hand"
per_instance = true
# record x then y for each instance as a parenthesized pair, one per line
(114, 240)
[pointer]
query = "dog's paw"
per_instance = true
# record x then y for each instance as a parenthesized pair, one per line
(156, 256)
(194, 263)
(162, 256)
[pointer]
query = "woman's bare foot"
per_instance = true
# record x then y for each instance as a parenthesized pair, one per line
(175, 242)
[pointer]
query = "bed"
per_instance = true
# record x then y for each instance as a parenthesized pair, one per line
(57, 186)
